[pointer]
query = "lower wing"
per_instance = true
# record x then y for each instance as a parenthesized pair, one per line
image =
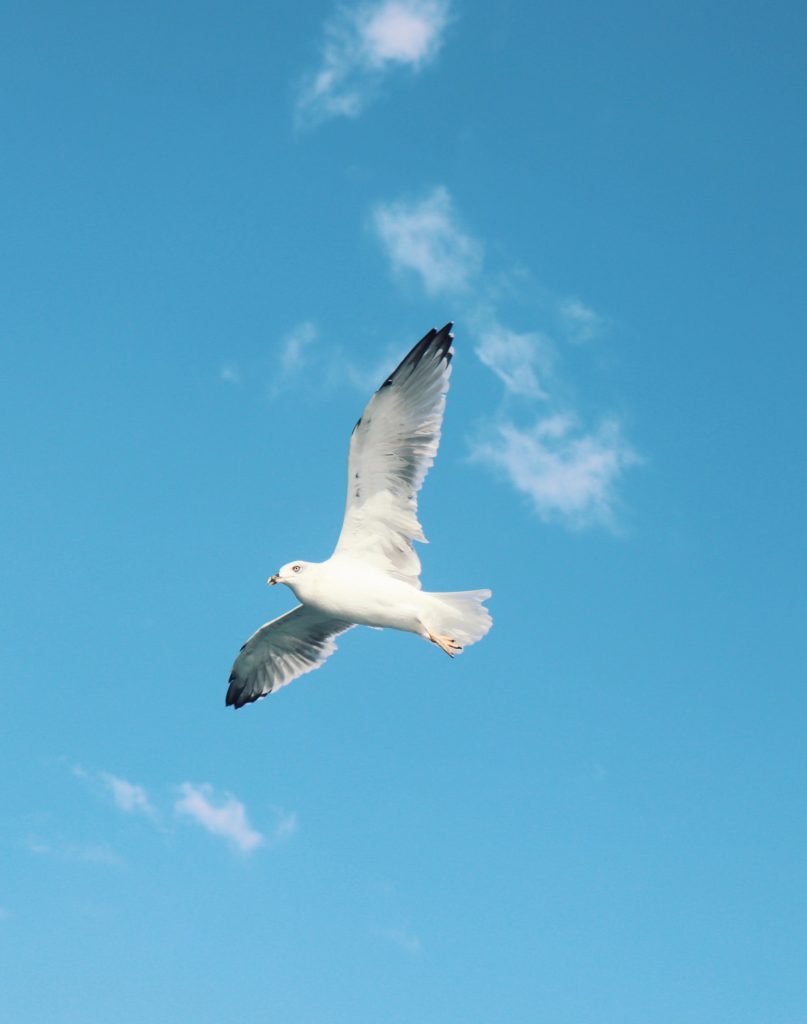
(296, 643)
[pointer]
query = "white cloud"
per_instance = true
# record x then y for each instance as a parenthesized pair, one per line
(516, 359)
(294, 348)
(581, 323)
(569, 476)
(128, 796)
(424, 236)
(363, 42)
(221, 815)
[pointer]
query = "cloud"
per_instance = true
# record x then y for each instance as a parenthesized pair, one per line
(89, 853)
(221, 815)
(293, 351)
(569, 476)
(516, 359)
(230, 374)
(285, 827)
(363, 43)
(128, 796)
(581, 323)
(402, 938)
(424, 236)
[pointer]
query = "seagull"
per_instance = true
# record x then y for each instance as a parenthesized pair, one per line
(373, 576)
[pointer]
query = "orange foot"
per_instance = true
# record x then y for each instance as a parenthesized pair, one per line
(445, 643)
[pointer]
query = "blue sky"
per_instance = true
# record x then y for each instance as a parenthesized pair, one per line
(221, 227)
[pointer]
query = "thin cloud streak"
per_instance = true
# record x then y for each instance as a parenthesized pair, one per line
(220, 815)
(88, 853)
(363, 43)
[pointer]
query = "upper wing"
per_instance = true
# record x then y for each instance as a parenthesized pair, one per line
(391, 449)
(296, 643)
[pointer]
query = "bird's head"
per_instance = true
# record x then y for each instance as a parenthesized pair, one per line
(290, 573)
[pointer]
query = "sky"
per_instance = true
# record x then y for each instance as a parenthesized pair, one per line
(222, 226)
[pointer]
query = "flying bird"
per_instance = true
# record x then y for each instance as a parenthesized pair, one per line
(373, 576)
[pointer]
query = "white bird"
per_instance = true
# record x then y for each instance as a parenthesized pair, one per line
(372, 577)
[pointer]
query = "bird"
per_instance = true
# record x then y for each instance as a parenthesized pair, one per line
(373, 576)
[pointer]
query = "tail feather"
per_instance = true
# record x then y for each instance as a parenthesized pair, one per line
(461, 615)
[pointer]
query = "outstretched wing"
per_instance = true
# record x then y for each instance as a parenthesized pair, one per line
(296, 643)
(391, 449)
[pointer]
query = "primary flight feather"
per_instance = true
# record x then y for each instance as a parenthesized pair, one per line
(373, 576)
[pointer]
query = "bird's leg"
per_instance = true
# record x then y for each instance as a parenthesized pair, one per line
(445, 643)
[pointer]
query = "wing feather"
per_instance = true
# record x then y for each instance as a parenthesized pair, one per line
(280, 651)
(392, 447)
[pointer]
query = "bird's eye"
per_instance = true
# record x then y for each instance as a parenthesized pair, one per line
(296, 568)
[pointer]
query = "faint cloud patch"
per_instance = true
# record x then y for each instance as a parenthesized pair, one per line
(219, 814)
(519, 360)
(294, 355)
(89, 853)
(425, 237)
(128, 796)
(230, 374)
(286, 826)
(363, 43)
(569, 475)
(402, 938)
(581, 323)
(295, 346)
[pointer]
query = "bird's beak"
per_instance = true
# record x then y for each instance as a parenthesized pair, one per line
(272, 581)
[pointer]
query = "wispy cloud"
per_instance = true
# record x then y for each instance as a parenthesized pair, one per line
(286, 825)
(128, 796)
(363, 43)
(402, 938)
(230, 374)
(580, 322)
(519, 360)
(569, 475)
(569, 471)
(425, 236)
(295, 347)
(220, 814)
(89, 853)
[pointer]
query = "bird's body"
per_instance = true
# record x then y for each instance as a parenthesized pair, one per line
(372, 578)
(356, 592)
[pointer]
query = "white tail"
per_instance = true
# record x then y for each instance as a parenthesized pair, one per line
(460, 615)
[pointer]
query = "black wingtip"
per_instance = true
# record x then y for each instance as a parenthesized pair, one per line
(434, 340)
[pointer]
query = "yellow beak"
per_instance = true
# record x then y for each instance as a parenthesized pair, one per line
(272, 581)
